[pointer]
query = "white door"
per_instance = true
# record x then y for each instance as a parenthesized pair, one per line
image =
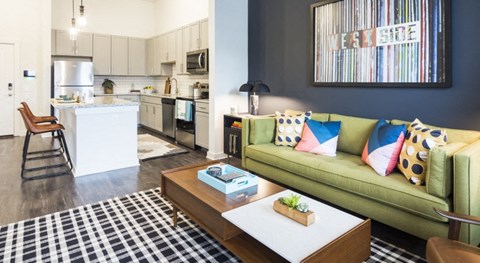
(6, 89)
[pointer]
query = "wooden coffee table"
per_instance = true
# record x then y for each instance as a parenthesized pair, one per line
(205, 205)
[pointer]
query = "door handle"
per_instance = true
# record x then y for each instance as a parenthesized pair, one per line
(234, 144)
(10, 86)
(200, 60)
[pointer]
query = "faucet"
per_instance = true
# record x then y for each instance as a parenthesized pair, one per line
(176, 85)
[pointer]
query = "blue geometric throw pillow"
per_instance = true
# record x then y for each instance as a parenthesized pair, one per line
(383, 147)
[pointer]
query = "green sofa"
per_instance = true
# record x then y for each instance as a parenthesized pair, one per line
(452, 183)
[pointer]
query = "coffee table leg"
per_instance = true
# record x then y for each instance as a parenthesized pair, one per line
(174, 216)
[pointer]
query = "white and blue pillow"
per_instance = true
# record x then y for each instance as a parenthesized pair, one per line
(289, 127)
(383, 147)
(319, 137)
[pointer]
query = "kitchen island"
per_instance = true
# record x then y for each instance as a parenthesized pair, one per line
(101, 136)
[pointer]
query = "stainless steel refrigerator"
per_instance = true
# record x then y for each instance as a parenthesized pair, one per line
(73, 78)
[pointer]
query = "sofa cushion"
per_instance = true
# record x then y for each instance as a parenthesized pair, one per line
(354, 133)
(383, 147)
(416, 148)
(262, 130)
(440, 169)
(319, 137)
(320, 116)
(454, 135)
(289, 128)
(349, 173)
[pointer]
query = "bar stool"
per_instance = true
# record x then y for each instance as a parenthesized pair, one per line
(38, 119)
(34, 128)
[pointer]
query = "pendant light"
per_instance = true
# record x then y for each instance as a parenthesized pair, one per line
(82, 21)
(73, 30)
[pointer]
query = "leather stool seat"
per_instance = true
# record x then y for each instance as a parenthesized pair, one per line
(34, 126)
(445, 250)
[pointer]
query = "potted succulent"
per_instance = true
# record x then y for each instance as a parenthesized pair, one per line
(293, 209)
(108, 86)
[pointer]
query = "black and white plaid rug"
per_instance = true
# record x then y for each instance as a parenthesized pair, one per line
(134, 228)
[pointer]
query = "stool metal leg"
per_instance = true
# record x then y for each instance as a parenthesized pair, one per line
(63, 148)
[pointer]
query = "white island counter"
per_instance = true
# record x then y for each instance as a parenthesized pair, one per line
(101, 136)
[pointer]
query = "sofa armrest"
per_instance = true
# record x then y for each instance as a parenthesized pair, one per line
(440, 169)
(466, 192)
(257, 130)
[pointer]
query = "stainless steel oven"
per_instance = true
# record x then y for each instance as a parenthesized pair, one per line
(197, 62)
(185, 122)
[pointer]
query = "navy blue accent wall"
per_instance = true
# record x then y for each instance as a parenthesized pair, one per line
(279, 54)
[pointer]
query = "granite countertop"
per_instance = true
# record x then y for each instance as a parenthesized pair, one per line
(103, 101)
(158, 95)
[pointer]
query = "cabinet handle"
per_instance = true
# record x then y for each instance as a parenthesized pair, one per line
(234, 144)
(230, 143)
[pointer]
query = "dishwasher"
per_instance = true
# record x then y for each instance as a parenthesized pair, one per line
(168, 117)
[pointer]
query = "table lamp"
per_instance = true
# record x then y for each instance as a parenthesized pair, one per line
(254, 87)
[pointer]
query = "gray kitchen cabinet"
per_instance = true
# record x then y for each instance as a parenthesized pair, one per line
(82, 47)
(157, 117)
(150, 57)
(102, 54)
(144, 114)
(179, 53)
(163, 48)
(203, 34)
(185, 47)
(151, 112)
(167, 47)
(119, 55)
(157, 62)
(136, 56)
(201, 124)
(171, 47)
(198, 35)
(194, 36)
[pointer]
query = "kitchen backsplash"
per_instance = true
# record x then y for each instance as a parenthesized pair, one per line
(124, 83)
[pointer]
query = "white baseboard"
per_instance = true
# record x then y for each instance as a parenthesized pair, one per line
(216, 156)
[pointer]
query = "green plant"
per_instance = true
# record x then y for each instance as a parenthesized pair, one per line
(291, 201)
(107, 83)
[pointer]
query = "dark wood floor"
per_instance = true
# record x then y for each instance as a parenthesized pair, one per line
(20, 200)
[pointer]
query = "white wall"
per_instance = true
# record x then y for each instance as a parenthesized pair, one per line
(26, 24)
(228, 43)
(134, 18)
(171, 14)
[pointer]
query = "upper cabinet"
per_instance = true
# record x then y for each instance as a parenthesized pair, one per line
(198, 35)
(203, 34)
(119, 55)
(82, 47)
(157, 61)
(167, 47)
(102, 45)
(150, 56)
(136, 56)
(179, 52)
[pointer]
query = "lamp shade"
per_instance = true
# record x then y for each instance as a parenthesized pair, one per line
(247, 87)
(261, 88)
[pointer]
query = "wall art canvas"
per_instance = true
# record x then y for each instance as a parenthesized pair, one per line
(398, 43)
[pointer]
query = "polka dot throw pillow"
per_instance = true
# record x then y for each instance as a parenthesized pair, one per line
(289, 128)
(414, 154)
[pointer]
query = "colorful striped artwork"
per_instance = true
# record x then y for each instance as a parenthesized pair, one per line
(380, 41)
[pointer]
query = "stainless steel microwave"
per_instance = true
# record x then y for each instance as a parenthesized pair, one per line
(197, 61)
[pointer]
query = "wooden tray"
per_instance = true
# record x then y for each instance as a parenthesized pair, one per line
(305, 219)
